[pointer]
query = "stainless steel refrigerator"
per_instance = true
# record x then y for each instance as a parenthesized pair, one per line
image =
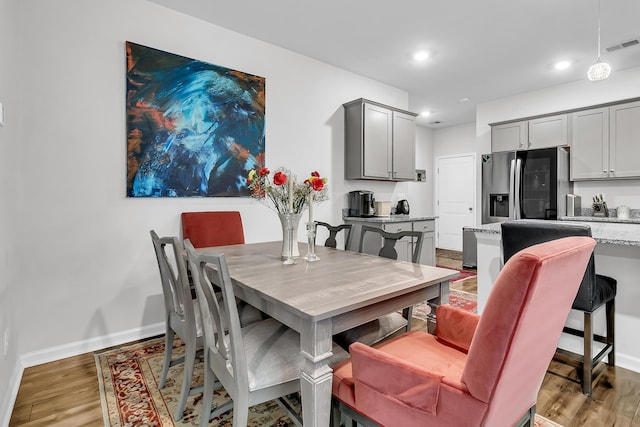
(525, 184)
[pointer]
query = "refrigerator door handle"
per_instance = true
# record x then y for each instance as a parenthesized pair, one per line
(512, 183)
(518, 187)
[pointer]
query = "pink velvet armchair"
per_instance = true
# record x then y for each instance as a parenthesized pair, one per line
(477, 370)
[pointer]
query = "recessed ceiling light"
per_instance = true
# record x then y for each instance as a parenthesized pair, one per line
(562, 65)
(463, 100)
(425, 113)
(421, 56)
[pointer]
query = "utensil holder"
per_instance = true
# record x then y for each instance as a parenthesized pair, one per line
(600, 209)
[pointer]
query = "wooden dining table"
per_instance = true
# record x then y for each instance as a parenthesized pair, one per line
(319, 299)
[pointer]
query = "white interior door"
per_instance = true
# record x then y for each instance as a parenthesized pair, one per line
(455, 199)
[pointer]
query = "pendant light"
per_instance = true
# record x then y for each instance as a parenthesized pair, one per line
(599, 70)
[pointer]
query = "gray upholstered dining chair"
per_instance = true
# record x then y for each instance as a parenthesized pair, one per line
(594, 292)
(383, 327)
(181, 315)
(255, 363)
(333, 230)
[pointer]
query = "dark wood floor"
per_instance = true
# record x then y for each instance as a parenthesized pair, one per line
(65, 392)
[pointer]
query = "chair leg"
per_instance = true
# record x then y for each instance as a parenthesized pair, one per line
(587, 361)
(610, 311)
(187, 378)
(207, 395)
(240, 410)
(168, 349)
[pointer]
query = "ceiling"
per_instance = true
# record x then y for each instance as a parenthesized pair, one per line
(480, 50)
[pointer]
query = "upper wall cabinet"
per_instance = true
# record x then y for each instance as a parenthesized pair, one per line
(543, 132)
(379, 142)
(509, 137)
(550, 131)
(590, 144)
(606, 142)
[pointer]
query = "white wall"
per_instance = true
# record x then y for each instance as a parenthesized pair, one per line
(90, 268)
(621, 85)
(420, 194)
(9, 198)
(454, 140)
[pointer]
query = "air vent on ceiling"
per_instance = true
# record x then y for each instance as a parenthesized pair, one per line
(619, 46)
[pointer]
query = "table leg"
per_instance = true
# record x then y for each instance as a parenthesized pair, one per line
(444, 292)
(316, 376)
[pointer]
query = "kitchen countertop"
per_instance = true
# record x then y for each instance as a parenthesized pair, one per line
(601, 219)
(614, 233)
(388, 219)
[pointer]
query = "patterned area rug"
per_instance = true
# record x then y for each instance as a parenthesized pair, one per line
(461, 299)
(129, 376)
(464, 274)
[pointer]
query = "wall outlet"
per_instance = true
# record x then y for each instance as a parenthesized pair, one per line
(6, 341)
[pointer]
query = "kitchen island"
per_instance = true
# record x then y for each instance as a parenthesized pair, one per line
(617, 254)
(393, 224)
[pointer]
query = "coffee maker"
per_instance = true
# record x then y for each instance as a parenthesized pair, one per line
(361, 203)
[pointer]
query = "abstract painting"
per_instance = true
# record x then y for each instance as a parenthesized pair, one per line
(193, 129)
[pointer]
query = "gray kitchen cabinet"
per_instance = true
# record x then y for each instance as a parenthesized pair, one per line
(589, 153)
(379, 142)
(509, 137)
(606, 143)
(542, 132)
(550, 131)
(372, 242)
(624, 143)
(428, 228)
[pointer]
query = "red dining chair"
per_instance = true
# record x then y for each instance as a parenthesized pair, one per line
(478, 370)
(217, 228)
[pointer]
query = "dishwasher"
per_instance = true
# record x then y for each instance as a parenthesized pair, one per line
(469, 249)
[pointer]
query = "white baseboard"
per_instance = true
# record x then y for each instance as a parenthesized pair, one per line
(574, 344)
(627, 362)
(64, 351)
(91, 344)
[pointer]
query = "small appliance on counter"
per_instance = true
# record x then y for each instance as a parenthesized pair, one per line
(382, 208)
(623, 212)
(402, 208)
(574, 205)
(361, 203)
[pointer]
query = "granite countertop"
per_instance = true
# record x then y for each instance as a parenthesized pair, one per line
(614, 233)
(601, 219)
(389, 219)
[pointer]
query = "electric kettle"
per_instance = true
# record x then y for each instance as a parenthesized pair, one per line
(402, 208)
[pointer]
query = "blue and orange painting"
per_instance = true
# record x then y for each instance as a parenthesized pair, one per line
(193, 129)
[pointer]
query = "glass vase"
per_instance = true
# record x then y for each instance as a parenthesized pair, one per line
(289, 222)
